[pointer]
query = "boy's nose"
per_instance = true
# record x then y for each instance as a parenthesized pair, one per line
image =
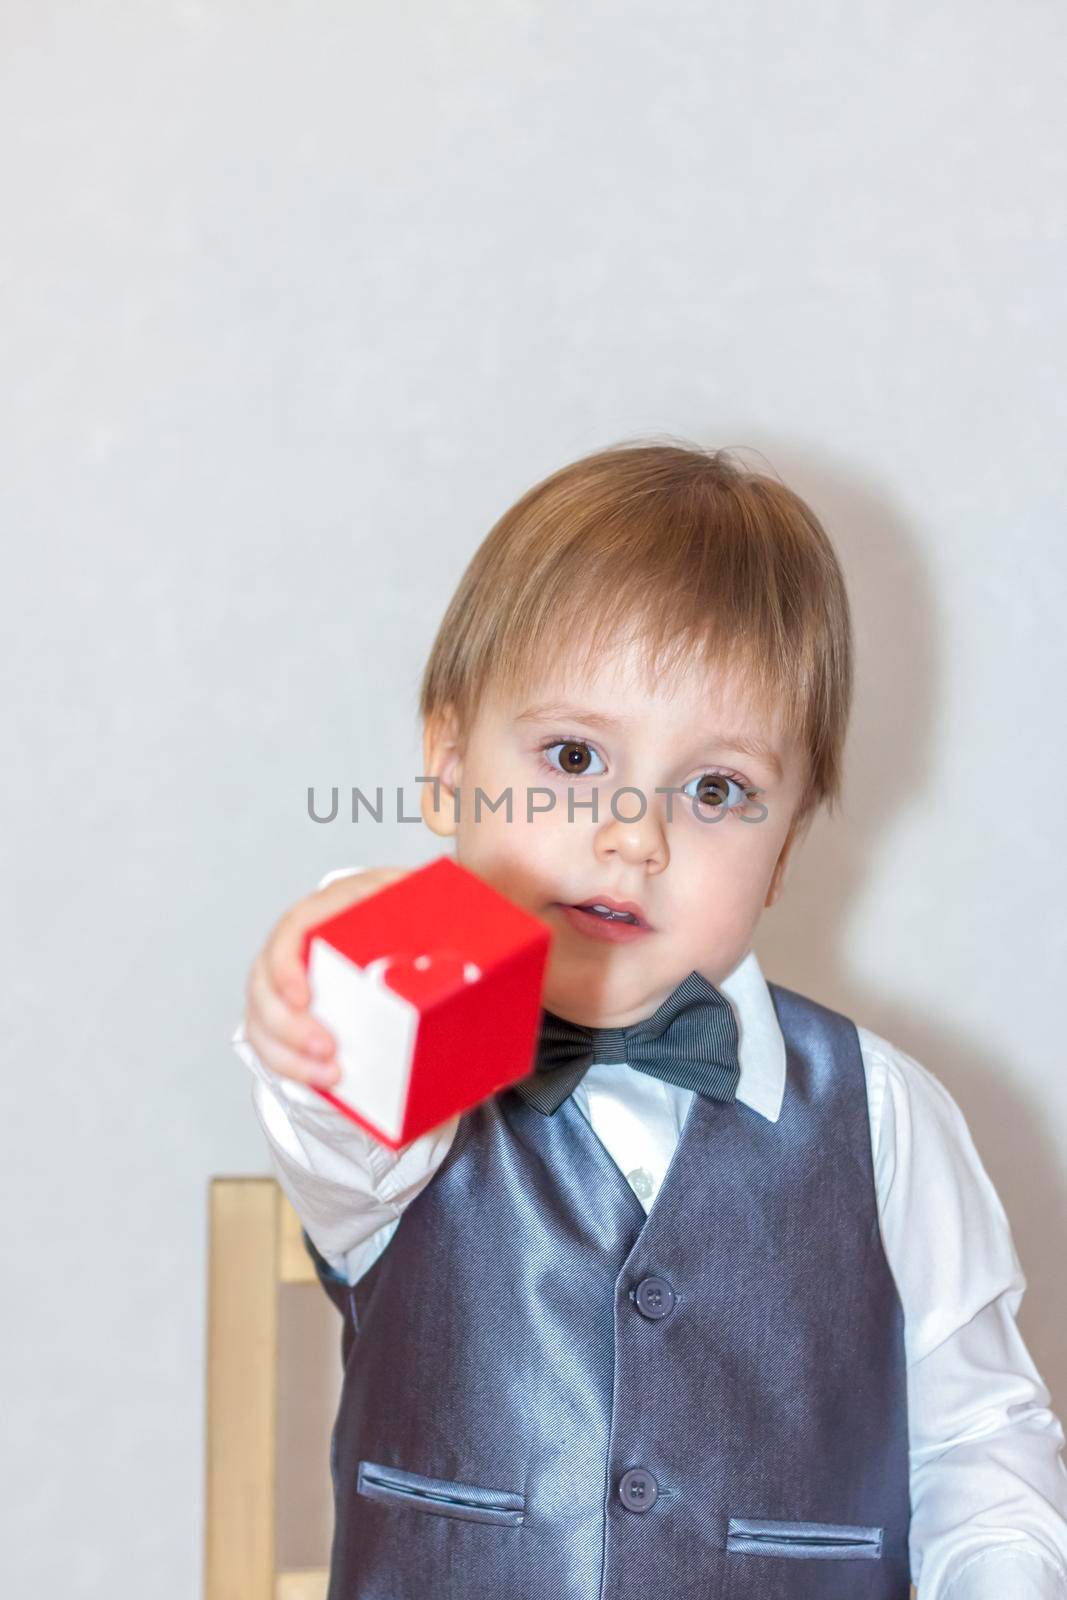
(639, 842)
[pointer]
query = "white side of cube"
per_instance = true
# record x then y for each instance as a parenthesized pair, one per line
(375, 1029)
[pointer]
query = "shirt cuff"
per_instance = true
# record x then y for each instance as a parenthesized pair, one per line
(339, 872)
(288, 1088)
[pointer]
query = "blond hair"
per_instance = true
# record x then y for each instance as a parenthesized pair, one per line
(684, 551)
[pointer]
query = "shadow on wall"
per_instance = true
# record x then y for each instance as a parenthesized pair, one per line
(900, 679)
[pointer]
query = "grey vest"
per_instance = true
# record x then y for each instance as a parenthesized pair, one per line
(550, 1396)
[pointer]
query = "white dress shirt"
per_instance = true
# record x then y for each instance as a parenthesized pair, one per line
(988, 1482)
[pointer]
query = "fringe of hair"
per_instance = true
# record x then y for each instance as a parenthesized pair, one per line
(686, 553)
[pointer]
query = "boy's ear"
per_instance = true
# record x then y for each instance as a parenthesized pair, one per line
(797, 829)
(440, 761)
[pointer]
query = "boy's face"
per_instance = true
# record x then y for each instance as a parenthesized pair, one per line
(700, 884)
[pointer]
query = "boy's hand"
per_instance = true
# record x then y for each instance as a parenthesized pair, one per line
(277, 1024)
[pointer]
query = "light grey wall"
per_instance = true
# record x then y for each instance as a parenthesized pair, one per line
(295, 300)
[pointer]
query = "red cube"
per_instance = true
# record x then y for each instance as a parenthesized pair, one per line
(431, 987)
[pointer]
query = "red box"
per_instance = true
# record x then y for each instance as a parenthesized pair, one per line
(431, 987)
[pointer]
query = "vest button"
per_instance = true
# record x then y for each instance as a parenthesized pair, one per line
(640, 1181)
(655, 1298)
(637, 1489)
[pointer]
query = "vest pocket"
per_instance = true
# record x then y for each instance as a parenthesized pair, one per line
(831, 1540)
(443, 1496)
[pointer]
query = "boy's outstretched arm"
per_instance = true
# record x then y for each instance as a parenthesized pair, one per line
(348, 1189)
(989, 1485)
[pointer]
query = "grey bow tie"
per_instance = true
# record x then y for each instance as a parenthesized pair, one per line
(690, 1039)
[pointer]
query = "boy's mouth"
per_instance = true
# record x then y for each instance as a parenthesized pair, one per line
(608, 910)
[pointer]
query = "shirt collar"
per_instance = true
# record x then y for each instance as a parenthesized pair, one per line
(760, 1045)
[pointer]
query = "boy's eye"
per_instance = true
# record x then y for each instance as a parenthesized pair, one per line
(574, 758)
(713, 789)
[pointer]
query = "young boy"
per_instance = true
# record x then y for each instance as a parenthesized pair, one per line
(720, 1300)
